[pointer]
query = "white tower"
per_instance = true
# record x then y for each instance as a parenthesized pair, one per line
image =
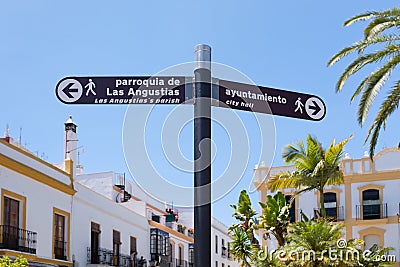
(70, 140)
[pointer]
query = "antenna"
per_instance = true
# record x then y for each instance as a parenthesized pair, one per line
(7, 133)
(78, 155)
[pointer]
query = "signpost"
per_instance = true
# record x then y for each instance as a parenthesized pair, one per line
(270, 101)
(124, 90)
(202, 159)
(180, 89)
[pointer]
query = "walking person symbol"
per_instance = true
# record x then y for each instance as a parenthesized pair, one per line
(90, 86)
(299, 105)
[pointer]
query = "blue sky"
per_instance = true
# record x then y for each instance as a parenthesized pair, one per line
(280, 44)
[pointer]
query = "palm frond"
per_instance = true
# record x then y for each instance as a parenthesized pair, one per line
(334, 153)
(346, 51)
(363, 16)
(390, 104)
(283, 180)
(336, 179)
(375, 83)
(379, 25)
(364, 60)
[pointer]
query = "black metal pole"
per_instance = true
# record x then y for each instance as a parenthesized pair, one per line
(202, 157)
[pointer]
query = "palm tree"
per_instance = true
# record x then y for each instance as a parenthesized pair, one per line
(309, 243)
(380, 35)
(241, 247)
(315, 168)
(275, 218)
(246, 216)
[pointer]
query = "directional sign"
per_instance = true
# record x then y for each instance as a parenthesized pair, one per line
(270, 101)
(124, 90)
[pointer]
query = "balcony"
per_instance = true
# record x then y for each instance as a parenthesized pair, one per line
(17, 239)
(371, 211)
(334, 214)
(224, 252)
(103, 256)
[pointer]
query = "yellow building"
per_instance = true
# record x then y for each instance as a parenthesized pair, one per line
(35, 218)
(368, 202)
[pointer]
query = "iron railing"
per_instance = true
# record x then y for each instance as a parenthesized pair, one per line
(336, 218)
(17, 239)
(371, 211)
(106, 257)
(224, 252)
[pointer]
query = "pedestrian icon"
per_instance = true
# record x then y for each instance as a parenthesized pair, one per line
(299, 105)
(90, 87)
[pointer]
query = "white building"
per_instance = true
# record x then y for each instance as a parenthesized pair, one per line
(57, 215)
(220, 253)
(368, 202)
(36, 206)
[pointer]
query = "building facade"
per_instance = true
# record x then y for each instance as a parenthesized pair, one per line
(56, 215)
(36, 205)
(368, 202)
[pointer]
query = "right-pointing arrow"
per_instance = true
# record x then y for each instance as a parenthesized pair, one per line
(314, 107)
(68, 90)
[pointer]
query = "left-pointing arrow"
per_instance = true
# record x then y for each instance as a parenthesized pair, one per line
(68, 90)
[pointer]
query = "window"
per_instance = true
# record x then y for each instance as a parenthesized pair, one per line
(292, 209)
(11, 223)
(223, 253)
(116, 247)
(330, 204)
(159, 243)
(171, 251)
(191, 254)
(216, 263)
(61, 233)
(94, 242)
(180, 255)
(216, 244)
(133, 244)
(371, 208)
(59, 237)
(222, 264)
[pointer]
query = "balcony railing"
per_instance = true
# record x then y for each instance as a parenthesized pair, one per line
(333, 214)
(168, 262)
(371, 211)
(17, 239)
(224, 252)
(106, 257)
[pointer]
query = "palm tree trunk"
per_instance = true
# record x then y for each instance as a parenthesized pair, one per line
(322, 202)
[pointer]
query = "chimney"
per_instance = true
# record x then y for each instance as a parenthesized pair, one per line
(70, 144)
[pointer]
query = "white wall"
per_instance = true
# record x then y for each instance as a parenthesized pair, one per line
(40, 201)
(35, 164)
(89, 206)
(221, 230)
